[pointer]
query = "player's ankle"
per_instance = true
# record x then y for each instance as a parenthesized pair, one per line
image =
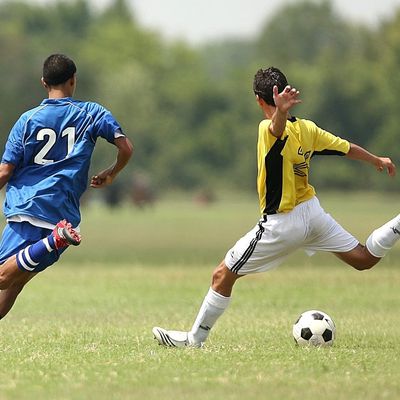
(192, 340)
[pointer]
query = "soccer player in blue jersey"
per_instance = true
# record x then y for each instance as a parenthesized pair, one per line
(45, 166)
(291, 216)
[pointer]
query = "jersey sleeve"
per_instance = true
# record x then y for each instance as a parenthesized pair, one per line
(14, 148)
(325, 143)
(107, 127)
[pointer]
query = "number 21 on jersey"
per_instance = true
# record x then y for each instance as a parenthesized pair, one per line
(50, 138)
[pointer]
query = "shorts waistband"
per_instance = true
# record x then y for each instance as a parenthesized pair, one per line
(266, 215)
(304, 204)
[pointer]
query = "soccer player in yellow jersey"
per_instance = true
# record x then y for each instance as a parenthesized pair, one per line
(291, 216)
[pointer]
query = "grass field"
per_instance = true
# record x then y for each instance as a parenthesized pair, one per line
(82, 330)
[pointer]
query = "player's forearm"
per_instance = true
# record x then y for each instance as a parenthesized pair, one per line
(380, 163)
(359, 153)
(107, 176)
(125, 150)
(278, 123)
(6, 171)
(284, 101)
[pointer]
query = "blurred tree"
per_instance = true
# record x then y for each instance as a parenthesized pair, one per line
(302, 31)
(191, 111)
(386, 74)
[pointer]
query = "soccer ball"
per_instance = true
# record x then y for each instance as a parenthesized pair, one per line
(314, 328)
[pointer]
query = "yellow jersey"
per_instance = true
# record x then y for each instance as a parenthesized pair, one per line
(283, 163)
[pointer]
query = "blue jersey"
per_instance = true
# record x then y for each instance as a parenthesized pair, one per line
(51, 147)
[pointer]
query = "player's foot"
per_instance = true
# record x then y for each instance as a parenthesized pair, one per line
(64, 235)
(173, 338)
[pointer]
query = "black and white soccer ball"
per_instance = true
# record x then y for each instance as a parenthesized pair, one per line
(314, 328)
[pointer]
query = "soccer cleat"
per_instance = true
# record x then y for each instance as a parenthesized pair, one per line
(173, 338)
(64, 235)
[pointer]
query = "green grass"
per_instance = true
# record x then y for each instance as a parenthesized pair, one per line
(82, 330)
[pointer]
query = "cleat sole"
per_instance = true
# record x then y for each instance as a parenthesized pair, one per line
(69, 238)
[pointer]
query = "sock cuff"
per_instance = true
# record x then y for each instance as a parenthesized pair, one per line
(217, 300)
(24, 260)
(49, 243)
(376, 249)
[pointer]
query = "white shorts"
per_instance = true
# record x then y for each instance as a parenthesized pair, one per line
(270, 242)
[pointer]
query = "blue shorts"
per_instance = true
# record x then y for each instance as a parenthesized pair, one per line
(18, 235)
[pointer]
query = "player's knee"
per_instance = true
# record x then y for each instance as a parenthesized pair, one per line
(218, 275)
(360, 258)
(367, 261)
(364, 266)
(223, 279)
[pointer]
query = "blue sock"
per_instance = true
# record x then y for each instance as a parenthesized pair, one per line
(29, 258)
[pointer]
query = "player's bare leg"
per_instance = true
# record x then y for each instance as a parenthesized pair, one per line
(378, 244)
(359, 258)
(9, 295)
(223, 280)
(10, 273)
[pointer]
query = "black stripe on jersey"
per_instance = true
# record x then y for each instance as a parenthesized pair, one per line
(274, 180)
(328, 153)
(298, 169)
(249, 251)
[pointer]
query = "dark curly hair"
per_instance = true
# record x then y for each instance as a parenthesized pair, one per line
(57, 69)
(265, 80)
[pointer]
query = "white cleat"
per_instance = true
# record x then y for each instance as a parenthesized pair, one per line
(173, 338)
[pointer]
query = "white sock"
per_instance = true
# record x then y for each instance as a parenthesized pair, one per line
(383, 239)
(213, 306)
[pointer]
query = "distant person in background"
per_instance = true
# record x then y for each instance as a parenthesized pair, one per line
(142, 191)
(291, 216)
(45, 166)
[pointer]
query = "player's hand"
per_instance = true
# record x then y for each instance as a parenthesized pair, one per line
(288, 98)
(102, 179)
(385, 163)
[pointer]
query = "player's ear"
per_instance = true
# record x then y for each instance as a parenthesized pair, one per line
(72, 82)
(260, 100)
(44, 84)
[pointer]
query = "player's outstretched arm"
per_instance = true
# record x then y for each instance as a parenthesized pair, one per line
(106, 177)
(6, 171)
(380, 163)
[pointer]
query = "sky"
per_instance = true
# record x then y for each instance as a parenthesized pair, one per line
(203, 20)
(199, 21)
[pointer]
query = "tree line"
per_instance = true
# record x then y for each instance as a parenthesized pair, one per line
(190, 109)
